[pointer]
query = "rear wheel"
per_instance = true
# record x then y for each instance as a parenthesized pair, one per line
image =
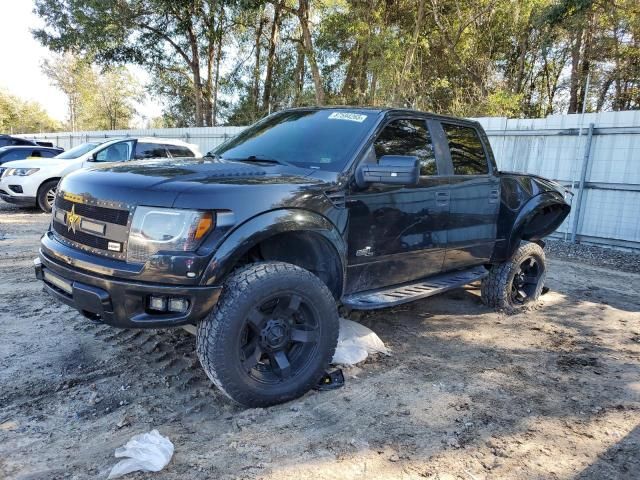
(517, 283)
(47, 195)
(271, 336)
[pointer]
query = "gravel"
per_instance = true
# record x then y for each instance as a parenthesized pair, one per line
(592, 255)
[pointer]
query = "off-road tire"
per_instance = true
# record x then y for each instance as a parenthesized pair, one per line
(497, 286)
(218, 341)
(42, 195)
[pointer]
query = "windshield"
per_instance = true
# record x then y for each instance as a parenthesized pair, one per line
(78, 151)
(321, 139)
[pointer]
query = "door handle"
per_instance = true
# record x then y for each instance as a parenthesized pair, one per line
(442, 199)
(494, 195)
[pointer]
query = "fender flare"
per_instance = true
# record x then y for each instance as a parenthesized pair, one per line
(528, 211)
(257, 229)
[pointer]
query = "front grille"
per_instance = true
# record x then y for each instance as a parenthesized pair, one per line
(81, 237)
(103, 214)
(95, 225)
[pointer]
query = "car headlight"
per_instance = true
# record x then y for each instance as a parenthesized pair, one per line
(20, 172)
(166, 229)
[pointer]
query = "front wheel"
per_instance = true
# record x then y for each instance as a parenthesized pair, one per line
(516, 284)
(271, 335)
(47, 195)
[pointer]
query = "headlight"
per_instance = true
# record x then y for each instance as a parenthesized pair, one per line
(156, 229)
(20, 172)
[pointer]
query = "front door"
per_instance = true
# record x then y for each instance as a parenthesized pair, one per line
(398, 233)
(475, 198)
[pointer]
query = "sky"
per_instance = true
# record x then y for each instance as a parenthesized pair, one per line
(22, 55)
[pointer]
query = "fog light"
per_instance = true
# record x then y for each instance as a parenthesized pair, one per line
(158, 303)
(178, 304)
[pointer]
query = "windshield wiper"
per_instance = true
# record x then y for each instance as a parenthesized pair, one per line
(256, 159)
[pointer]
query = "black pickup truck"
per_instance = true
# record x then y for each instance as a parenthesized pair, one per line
(260, 241)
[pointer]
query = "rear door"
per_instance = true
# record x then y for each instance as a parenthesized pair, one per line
(474, 197)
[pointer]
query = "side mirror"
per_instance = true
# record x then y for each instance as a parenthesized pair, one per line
(93, 157)
(391, 169)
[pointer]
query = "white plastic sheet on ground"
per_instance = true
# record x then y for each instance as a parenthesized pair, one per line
(147, 452)
(355, 343)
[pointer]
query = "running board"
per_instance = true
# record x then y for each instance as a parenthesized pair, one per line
(408, 292)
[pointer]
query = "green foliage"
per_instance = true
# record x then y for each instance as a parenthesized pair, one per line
(238, 60)
(97, 100)
(19, 116)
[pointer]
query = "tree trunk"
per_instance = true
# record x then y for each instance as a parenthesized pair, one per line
(216, 82)
(255, 94)
(197, 79)
(299, 74)
(403, 81)
(303, 17)
(574, 82)
(271, 56)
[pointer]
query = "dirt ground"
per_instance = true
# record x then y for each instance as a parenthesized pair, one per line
(467, 394)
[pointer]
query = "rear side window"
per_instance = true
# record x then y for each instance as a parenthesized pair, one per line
(150, 150)
(17, 154)
(467, 152)
(17, 141)
(411, 138)
(178, 151)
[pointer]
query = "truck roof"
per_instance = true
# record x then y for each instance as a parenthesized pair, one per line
(379, 110)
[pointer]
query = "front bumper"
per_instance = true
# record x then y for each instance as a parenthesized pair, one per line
(21, 200)
(121, 303)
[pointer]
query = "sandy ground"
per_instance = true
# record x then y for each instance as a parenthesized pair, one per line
(468, 393)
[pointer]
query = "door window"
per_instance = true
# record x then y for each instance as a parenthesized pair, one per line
(408, 137)
(118, 152)
(150, 150)
(467, 152)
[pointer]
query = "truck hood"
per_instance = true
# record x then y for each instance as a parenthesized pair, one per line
(187, 183)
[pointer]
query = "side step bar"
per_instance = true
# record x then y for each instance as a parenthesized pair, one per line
(408, 292)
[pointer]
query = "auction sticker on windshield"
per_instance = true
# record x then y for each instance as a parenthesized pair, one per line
(352, 117)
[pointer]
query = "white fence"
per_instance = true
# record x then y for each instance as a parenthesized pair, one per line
(596, 155)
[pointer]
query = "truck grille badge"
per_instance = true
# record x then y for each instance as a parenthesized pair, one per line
(73, 220)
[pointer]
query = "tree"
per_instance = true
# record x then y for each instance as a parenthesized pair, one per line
(180, 35)
(97, 100)
(20, 116)
(74, 77)
(237, 60)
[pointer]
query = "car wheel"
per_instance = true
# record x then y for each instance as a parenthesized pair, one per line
(271, 335)
(516, 284)
(47, 195)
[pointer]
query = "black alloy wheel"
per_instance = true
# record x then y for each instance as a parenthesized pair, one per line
(279, 338)
(271, 335)
(516, 284)
(526, 280)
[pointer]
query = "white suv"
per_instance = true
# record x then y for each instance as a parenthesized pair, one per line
(33, 182)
